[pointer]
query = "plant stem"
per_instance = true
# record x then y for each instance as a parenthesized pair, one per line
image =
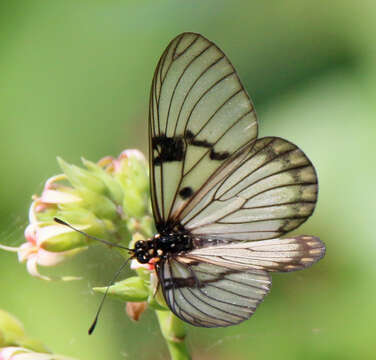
(174, 332)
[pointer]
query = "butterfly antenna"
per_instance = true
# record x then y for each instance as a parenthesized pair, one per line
(94, 324)
(62, 222)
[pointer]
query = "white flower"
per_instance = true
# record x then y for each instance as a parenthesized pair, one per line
(37, 232)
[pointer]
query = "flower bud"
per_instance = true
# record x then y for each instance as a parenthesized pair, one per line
(131, 170)
(81, 178)
(131, 289)
(114, 189)
(135, 309)
(147, 272)
(98, 204)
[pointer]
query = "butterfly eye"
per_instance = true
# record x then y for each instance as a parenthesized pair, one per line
(139, 244)
(143, 258)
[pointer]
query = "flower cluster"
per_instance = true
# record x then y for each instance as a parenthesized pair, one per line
(108, 200)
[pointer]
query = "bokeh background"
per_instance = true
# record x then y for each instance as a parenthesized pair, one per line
(74, 81)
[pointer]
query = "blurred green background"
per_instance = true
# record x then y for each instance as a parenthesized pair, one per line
(74, 81)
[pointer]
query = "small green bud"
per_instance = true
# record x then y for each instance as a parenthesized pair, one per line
(66, 242)
(114, 188)
(63, 239)
(58, 238)
(99, 204)
(132, 173)
(87, 220)
(81, 178)
(131, 289)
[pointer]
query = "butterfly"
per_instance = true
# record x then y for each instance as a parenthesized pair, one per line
(221, 197)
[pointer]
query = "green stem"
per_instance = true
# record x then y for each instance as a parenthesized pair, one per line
(174, 332)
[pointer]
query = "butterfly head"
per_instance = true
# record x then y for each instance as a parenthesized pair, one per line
(143, 251)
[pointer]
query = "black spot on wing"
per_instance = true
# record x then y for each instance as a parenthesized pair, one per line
(214, 155)
(176, 283)
(168, 148)
(219, 155)
(186, 192)
(194, 282)
(191, 140)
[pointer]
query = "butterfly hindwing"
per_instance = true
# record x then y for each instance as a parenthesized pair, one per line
(200, 115)
(211, 295)
(282, 255)
(221, 285)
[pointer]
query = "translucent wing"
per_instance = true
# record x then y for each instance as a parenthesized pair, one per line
(209, 294)
(213, 180)
(222, 285)
(200, 116)
(271, 191)
(290, 254)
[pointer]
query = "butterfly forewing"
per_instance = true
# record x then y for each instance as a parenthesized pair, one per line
(200, 115)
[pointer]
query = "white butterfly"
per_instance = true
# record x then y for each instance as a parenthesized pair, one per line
(221, 197)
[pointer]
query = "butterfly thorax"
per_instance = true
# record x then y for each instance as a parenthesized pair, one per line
(162, 246)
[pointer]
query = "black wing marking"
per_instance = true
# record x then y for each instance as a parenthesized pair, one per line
(200, 115)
